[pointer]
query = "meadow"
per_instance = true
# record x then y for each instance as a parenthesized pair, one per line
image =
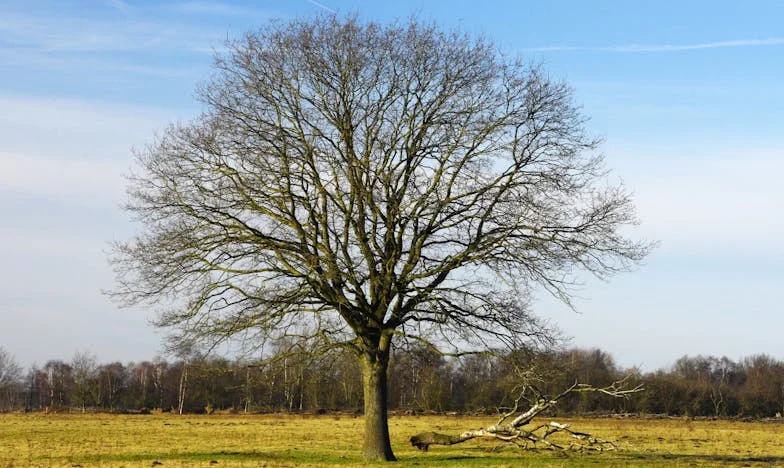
(80, 440)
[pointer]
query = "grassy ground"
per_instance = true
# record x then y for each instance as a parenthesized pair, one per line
(274, 440)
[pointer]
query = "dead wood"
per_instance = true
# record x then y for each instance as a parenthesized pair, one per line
(511, 426)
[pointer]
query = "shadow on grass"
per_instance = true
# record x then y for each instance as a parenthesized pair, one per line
(528, 457)
(705, 459)
(219, 456)
(544, 457)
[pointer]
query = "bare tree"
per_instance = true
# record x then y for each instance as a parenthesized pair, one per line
(10, 381)
(86, 385)
(349, 184)
(112, 379)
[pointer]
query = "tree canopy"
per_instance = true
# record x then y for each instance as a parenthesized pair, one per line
(349, 183)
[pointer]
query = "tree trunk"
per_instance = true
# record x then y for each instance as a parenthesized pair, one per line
(374, 377)
(183, 385)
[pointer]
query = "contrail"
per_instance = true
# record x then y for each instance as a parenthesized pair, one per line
(772, 41)
(322, 6)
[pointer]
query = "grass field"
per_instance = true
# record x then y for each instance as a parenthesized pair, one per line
(291, 440)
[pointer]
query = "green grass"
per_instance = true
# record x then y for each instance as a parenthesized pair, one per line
(286, 440)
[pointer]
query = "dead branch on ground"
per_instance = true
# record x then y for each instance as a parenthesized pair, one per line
(511, 426)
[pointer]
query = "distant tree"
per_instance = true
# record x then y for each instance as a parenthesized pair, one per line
(160, 380)
(587, 365)
(348, 378)
(763, 391)
(423, 378)
(32, 389)
(112, 381)
(727, 378)
(141, 385)
(85, 380)
(350, 184)
(478, 379)
(214, 384)
(57, 384)
(10, 381)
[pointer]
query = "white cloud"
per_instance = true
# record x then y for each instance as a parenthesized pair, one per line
(56, 328)
(713, 202)
(75, 130)
(81, 116)
(61, 244)
(768, 42)
(61, 166)
(59, 178)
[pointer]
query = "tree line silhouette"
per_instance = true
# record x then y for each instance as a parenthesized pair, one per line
(421, 381)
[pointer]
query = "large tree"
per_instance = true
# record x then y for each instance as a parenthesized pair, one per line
(349, 184)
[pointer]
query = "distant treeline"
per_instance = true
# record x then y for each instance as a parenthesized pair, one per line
(421, 380)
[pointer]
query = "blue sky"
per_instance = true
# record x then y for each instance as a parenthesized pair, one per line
(689, 96)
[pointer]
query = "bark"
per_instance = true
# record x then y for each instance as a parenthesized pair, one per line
(377, 446)
(425, 439)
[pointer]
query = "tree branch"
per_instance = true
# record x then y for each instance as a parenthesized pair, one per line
(516, 432)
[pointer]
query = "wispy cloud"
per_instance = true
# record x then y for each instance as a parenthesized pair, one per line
(61, 166)
(198, 7)
(41, 60)
(631, 48)
(119, 5)
(322, 6)
(71, 148)
(66, 34)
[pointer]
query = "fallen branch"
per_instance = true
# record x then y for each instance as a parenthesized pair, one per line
(510, 427)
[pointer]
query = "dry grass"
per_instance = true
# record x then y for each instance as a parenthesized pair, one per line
(284, 440)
